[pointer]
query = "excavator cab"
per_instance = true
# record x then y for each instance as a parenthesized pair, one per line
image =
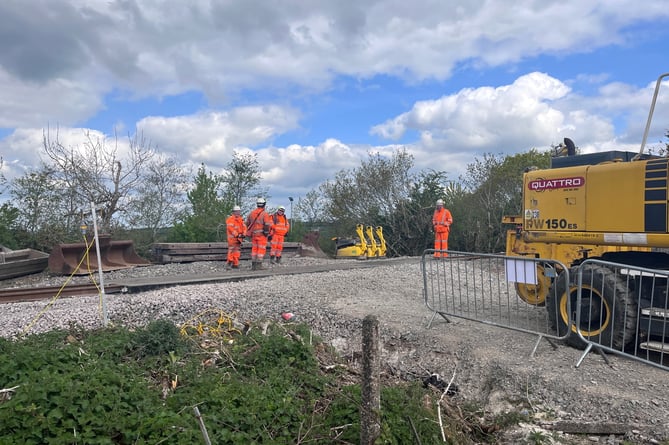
(365, 246)
(352, 248)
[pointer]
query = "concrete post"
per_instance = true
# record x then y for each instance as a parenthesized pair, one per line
(370, 409)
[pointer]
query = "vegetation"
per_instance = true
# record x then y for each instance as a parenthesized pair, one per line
(148, 197)
(271, 386)
(385, 192)
(96, 172)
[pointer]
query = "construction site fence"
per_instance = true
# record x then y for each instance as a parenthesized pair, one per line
(482, 288)
(643, 302)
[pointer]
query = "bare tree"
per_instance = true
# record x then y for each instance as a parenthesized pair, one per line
(310, 209)
(369, 192)
(96, 172)
(159, 197)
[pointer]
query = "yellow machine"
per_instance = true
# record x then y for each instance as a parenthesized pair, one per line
(363, 247)
(381, 248)
(371, 246)
(612, 206)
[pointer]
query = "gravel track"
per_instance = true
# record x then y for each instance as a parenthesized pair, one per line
(492, 366)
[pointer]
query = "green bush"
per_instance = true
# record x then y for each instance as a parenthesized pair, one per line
(116, 386)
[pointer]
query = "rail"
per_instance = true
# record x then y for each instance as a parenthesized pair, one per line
(163, 253)
(19, 294)
(130, 285)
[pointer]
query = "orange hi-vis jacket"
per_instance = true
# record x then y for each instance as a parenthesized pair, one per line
(281, 224)
(236, 227)
(442, 220)
(258, 223)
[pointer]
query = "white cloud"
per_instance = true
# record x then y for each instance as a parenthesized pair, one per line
(56, 101)
(211, 137)
(307, 166)
(58, 67)
(483, 117)
(536, 110)
(73, 53)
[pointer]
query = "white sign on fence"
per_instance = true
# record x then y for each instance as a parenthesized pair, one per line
(520, 271)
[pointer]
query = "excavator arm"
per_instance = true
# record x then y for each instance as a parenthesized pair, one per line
(382, 242)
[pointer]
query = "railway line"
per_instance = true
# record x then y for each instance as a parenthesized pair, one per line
(15, 295)
(134, 285)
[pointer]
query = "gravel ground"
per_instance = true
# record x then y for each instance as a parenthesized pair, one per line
(491, 366)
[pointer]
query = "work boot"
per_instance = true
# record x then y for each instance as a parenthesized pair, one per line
(271, 259)
(277, 260)
(228, 265)
(259, 266)
(254, 265)
(235, 266)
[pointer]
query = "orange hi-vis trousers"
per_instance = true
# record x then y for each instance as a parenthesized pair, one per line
(234, 251)
(258, 247)
(440, 243)
(276, 245)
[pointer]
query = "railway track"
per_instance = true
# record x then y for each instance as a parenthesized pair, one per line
(15, 295)
(131, 285)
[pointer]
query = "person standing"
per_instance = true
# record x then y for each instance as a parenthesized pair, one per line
(441, 223)
(279, 230)
(236, 231)
(258, 227)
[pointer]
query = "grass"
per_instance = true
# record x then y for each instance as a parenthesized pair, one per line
(270, 384)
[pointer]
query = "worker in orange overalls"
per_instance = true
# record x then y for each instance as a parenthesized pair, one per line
(441, 222)
(279, 230)
(236, 232)
(258, 227)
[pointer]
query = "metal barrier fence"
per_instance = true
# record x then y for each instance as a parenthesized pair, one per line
(623, 310)
(504, 291)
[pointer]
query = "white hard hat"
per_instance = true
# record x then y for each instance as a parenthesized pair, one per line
(261, 201)
(440, 202)
(236, 209)
(281, 208)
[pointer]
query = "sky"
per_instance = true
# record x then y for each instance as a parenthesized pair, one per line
(314, 87)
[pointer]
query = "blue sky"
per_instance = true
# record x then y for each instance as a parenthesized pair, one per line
(313, 87)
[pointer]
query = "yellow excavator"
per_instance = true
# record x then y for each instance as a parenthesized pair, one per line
(372, 250)
(364, 247)
(381, 248)
(612, 206)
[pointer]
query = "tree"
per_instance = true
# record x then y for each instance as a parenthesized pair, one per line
(368, 193)
(408, 229)
(97, 173)
(9, 228)
(159, 197)
(207, 213)
(493, 188)
(46, 215)
(310, 208)
(240, 178)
